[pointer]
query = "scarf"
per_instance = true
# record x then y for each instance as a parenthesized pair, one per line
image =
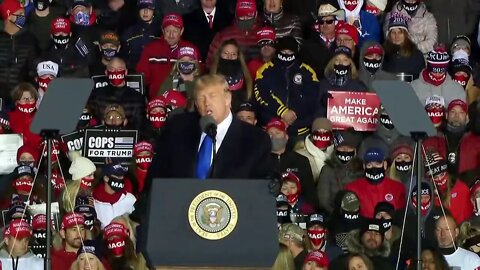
(101, 195)
(318, 155)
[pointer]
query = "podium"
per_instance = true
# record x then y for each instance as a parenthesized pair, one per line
(211, 224)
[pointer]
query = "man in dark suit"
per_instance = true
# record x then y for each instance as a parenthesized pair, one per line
(203, 23)
(243, 150)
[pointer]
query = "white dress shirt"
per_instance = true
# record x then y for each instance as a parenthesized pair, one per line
(211, 13)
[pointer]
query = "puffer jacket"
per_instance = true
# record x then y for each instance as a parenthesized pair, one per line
(17, 54)
(315, 156)
(422, 27)
(449, 90)
(334, 176)
(284, 24)
(279, 88)
(28, 261)
(364, 75)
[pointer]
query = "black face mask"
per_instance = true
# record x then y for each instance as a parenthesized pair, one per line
(286, 59)
(40, 237)
(61, 41)
(245, 24)
(344, 156)
(386, 223)
(41, 5)
(341, 70)
(89, 221)
(375, 175)
(113, 127)
(372, 65)
(229, 67)
(386, 121)
(27, 163)
(186, 67)
(403, 166)
(108, 54)
(411, 8)
(116, 184)
(283, 216)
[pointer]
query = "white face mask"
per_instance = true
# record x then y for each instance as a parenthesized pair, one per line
(476, 205)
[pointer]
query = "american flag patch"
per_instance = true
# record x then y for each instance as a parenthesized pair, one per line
(124, 143)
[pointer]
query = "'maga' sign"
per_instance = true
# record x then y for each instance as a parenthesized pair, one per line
(101, 144)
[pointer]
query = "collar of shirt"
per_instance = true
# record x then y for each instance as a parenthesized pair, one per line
(222, 129)
(211, 13)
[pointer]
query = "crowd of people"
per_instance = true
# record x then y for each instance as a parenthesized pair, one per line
(346, 199)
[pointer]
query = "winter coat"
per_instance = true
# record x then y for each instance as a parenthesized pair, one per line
(365, 76)
(315, 156)
(469, 153)
(291, 161)
(378, 256)
(20, 123)
(334, 176)
(370, 194)
(422, 28)
(17, 54)
(26, 262)
(326, 85)
(454, 17)
(71, 63)
(135, 38)
(279, 88)
(107, 211)
(156, 62)
(460, 205)
(369, 28)
(449, 90)
(315, 53)
(411, 65)
(381, 138)
(247, 40)
(284, 25)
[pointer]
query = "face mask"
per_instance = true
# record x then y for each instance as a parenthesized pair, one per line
(108, 54)
(436, 114)
(317, 237)
(86, 182)
(144, 162)
(441, 182)
(283, 216)
(186, 67)
(26, 108)
(116, 78)
(278, 144)
(20, 21)
(386, 122)
(246, 24)
(403, 166)
(375, 175)
(27, 163)
(43, 83)
(84, 120)
(158, 120)
(116, 184)
(40, 236)
(23, 186)
(61, 41)
(425, 205)
(372, 65)
(116, 246)
(462, 80)
(372, 10)
(386, 223)
(476, 206)
(82, 18)
(293, 198)
(350, 215)
(89, 221)
(410, 7)
(229, 67)
(341, 70)
(321, 139)
(344, 156)
(286, 59)
(350, 4)
(41, 5)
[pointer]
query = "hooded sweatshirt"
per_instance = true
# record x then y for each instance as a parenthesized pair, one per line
(449, 89)
(364, 75)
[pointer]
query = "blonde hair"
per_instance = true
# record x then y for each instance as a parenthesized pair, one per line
(467, 231)
(284, 260)
(331, 63)
(129, 224)
(208, 80)
(76, 263)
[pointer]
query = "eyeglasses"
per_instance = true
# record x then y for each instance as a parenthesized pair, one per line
(114, 117)
(321, 21)
(27, 99)
(341, 41)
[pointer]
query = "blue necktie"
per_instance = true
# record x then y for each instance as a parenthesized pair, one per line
(204, 158)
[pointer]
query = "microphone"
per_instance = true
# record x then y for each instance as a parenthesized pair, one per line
(208, 125)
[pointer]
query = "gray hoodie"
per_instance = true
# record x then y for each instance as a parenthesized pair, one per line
(364, 75)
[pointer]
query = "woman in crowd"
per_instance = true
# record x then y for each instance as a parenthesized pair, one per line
(230, 62)
(359, 261)
(432, 259)
(88, 257)
(402, 56)
(401, 157)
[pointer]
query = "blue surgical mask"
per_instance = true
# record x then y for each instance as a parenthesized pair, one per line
(20, 21)
(82, 18)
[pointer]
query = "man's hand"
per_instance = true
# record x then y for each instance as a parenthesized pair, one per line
(289, 117)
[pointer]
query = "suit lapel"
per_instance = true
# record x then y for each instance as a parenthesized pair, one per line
(228, 147)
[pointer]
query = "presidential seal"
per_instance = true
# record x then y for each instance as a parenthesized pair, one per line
(212, 215)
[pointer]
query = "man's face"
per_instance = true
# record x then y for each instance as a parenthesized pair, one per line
(146, 14)
(114, 119)
(289, 188)
(73, 236)
(267, 51)
(327, 25)
(457, 117)
(372, 240)
(375, 165)
(13, 16)
(172, 34)
(18, 247)
(208, 3)
(213, 100)
(346, 40)
(116, 65)
(446, 232)
(248, 117)
(273, 6)
(276, 133)
(374, 56)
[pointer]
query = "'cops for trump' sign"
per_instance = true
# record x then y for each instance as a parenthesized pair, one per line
(101, 144)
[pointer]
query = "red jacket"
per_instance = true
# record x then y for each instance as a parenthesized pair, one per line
(141, 175)
(370, 195)
(469, 152)
(156, 63)
(460, 206)
(253, 66)
(20, 123)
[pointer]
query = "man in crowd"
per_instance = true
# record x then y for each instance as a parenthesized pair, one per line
(67, 241)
